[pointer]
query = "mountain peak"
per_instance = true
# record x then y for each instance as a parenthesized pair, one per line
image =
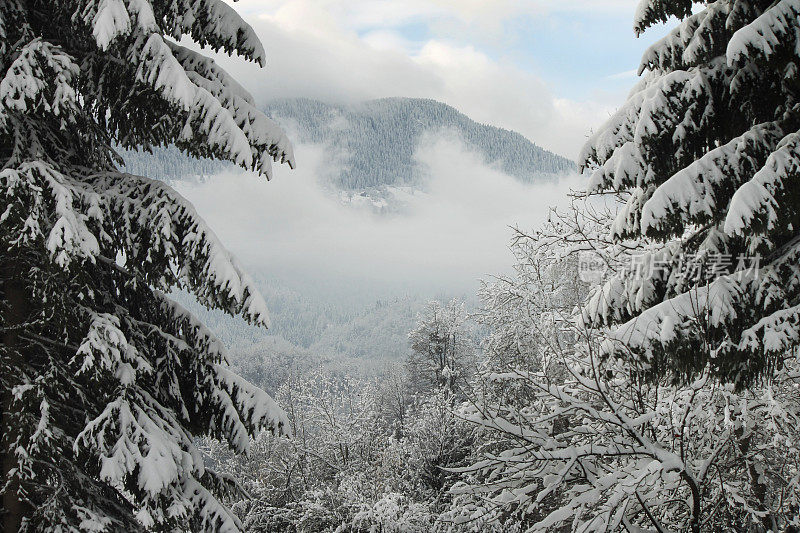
(375, 141)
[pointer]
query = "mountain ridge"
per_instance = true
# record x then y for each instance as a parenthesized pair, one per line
(372, 143)
(376, 139)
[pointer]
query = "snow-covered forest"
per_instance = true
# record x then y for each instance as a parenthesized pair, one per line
(371, 144)
(629, 361)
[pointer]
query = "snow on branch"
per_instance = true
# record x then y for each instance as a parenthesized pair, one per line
(257, 407)
(264, 135)
(159, 68)
(230, 126)
(700, 191)
(718, 302)
(39, 80)
(672, 108)
(105, 349)
(215, 24)
(108, 21)
(216, 108)
(212, 514)
(689, 43)
(210, 23)
(650, 12)
(757, 199)
(132, 439)
(154, 226)
(215, 79)
(66, 231)
(631, 290)
(777, 333)
(246, 408)
(774, 30)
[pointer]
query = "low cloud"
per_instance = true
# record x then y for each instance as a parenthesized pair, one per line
(446, 240)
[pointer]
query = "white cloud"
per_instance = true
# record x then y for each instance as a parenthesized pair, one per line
(330, 64)
(450, 237)
(626, 75)
(389, 40)
(311, 54)
(478, 13)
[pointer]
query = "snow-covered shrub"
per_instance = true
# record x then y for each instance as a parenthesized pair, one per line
(394, 513)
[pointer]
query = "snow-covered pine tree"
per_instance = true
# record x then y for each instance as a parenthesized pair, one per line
(706, 154)
(105, 381)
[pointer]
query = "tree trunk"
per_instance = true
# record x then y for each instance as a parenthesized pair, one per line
(15, 313)
(696, 501)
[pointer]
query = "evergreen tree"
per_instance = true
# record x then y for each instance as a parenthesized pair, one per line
(706, 156)
(105, 381)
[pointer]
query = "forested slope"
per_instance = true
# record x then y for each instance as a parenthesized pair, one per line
(373, 143)
(377, 139)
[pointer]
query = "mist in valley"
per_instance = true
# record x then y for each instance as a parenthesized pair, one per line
(327, 259)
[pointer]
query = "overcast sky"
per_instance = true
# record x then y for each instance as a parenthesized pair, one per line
(550, 69)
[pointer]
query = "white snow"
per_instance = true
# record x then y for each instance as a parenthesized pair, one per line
(764, 36)
(758, 196)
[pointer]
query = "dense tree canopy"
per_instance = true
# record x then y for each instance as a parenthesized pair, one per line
(578, 443)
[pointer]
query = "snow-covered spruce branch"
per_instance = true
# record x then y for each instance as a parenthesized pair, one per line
(106, 383)
(705, 183)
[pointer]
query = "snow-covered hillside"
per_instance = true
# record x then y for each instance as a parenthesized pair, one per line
(376, 140)
(372, 144)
